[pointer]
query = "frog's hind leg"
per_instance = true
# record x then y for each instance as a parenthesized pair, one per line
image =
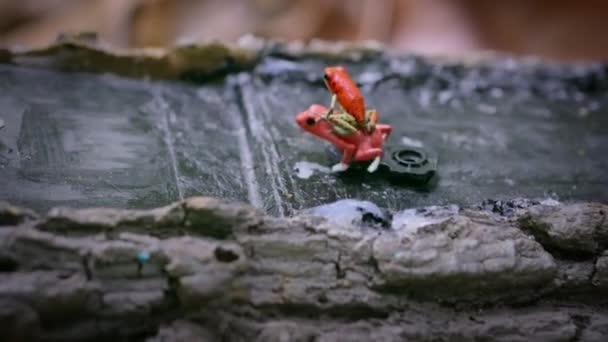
(371, 118)
(372, 153)
(385, 130)
(374, 165)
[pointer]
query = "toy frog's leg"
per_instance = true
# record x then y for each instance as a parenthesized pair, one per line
(385, 130)
(374, 165)
(348, 152)
(372, 153)
(347, 156)
(340, 167)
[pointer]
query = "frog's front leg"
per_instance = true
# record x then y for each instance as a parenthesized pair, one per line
(347, 156)
(348, 151)
(332, 106)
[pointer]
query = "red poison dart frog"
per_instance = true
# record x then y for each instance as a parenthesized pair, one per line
(358, 145)
(346, 92)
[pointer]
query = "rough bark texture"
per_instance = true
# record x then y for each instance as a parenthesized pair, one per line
(204, 269)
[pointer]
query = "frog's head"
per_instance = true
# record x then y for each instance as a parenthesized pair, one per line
(331, 74)
(310, 120)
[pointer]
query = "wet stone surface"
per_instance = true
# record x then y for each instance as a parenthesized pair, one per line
(499, 132)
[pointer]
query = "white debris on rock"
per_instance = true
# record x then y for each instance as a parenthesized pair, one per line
(306, 169)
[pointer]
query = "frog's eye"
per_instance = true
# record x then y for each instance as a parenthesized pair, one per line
(310, 121)
(326, 77)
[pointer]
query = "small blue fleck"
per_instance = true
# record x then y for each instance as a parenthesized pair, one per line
(143, 256)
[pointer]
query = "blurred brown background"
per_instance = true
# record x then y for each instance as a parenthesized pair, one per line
(557, 29)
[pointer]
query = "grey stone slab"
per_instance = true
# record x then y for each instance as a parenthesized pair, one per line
(81, 140)
(500, 131)
(207, 139)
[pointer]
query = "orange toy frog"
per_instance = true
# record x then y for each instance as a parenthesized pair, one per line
(358, 145)
(346, 92)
